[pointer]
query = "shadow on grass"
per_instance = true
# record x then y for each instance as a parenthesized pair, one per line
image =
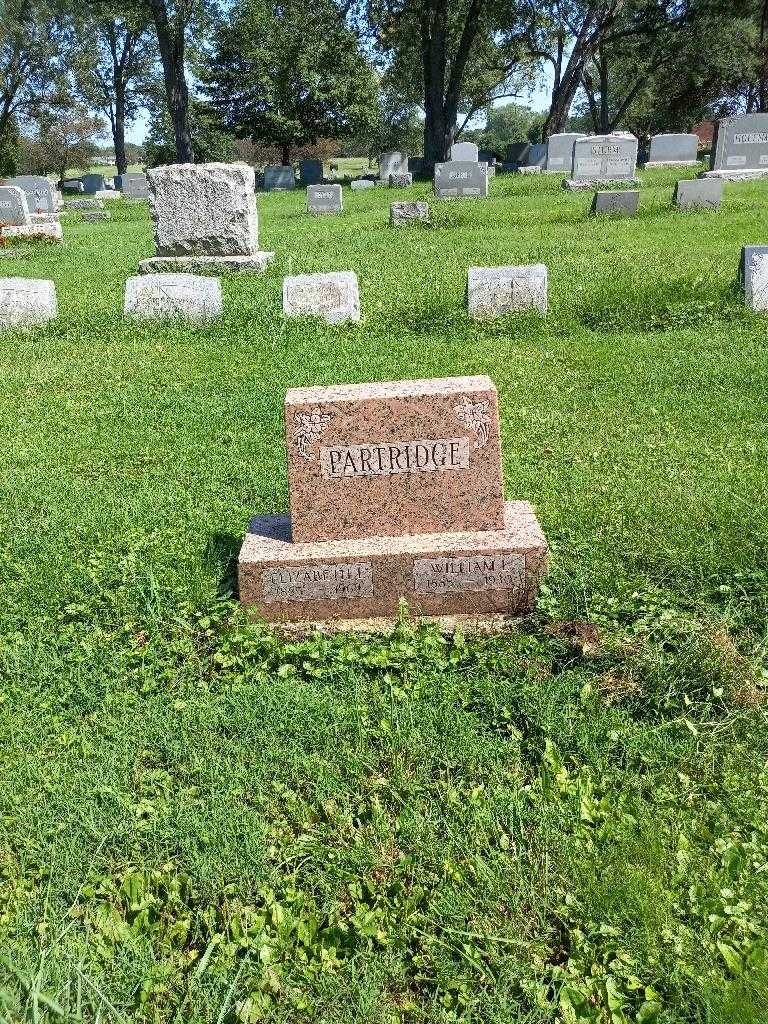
(221, 553)
(656, 307)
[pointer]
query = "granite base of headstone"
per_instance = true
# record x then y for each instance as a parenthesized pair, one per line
(332, 297)
(186, 296)
(43, 231)
(400, 180)
(205, 220)
(740, 149)
(620, 204)
(698, 194)
(396, 494)
(405, 214)
(25, 302)
(323, 199)
(753, 275)
(496, 291)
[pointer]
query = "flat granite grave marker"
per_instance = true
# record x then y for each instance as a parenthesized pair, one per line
(396, 492)
(311, 172)
(13, 206)
(333, 297)
(189, 296)
(464, 151)
(700, 194)
(279, 178)
(92, 216)
(603, 159)
(85, 204)
(673, 149)
(360, 184)
(740, 148)
(559, 158)
(392, 162)
(24, 302)
(41, 197)
(625, 204)
(495, 291)
(39, 231)
(400, 180)
(462, 179)
(205, 219)
(324, 199)
(753, 275)
(401, 214)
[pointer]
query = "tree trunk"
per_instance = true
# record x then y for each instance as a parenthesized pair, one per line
(605, 114)
(118, 130)
(172, 45)
(286, 154)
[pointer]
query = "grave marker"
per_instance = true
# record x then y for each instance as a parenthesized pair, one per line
(93, 183)
(324, 199)
(753, 275)
(24, 302)
(603, 159)
(13, 206)
(674, 150)
(333, 297)
(495, 291)
(360, 184)
(740, 148)
(311, 172)
(701, 194)
(462, 180)
(279, 178)
(40, 192)
(402, 214)
(189, 296)
(393, 162)
(464, 151)
(624, 204)
(400, 180)
(559, 158)
(396, 491)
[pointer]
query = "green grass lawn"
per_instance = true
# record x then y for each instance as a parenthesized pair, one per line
(203, 822)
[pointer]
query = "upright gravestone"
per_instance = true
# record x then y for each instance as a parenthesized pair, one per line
(753, 274)
(205, 219)
(73, 185)
(535, 160)
(311, 172)
(279, 178)
(134, 185)
(333, 297)
(700, 194)
(14, 209)
(740, 149)
(487, 156)
(603, 159)
(464, 151)
(673, 150)
(624, 204)
(461, 179)
(24, 302)
(559, 159)
(324, 199)
(396, 492)
(41, 196)
(392, 162)
(93, 183)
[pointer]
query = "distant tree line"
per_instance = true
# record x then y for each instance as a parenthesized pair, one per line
(277, 78)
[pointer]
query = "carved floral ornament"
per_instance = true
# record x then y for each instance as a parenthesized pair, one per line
(309, 427)
(474, 416)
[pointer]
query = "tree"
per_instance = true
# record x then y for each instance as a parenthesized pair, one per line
(289, 72)
(454, 57)
(510, 123)
(212, 142)
(66, 137)
(114, 72)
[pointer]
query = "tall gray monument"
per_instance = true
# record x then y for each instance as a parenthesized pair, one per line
(603, 159)
(673, 150)
(559, 158)
(740, 148)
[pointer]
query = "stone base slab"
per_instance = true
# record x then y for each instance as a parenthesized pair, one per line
(470, 625)
(257, 263)
(48, 231)
(472, 574)
(670, 163)
(575, 184)
(753, 175)
(529, 170)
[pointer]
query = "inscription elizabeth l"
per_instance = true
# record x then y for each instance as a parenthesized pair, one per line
(307, 583)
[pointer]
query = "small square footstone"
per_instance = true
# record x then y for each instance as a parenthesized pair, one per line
(394, 458)
(403, 214)
(25, 302)
(359, 184)
(92, 216)
(324, 199)
(700, 194)
(400, 180)
(45, 231)
(461, 179)
(173, 295)
(753, 274)
(85, 204)
(14, 210)
(623, 204)
(332, 297)
(396, 493)
(496, 291)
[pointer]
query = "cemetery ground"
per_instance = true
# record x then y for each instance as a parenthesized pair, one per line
(202, 821)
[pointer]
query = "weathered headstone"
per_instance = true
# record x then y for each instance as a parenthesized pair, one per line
(24, 302)
(396, 492)
(461, 151)
(393, 162)
(324, 199)
(740, 149)
(673, 149)
(400, 180)
(559, 159)
(41, 195)
(311, 172)
(173, 295)
(39, 231)
(279, 178)
(93, 183)
(465, 179)
(535, 159)
(92, 216)
(402, 214)
(360, 184)
(73, 185)
(753, 274)
(624, 204)
(332, 297)
(85, 204)
(495, 291)
(603, 159)
(205, 218)
(134, 185)
(700, 194)
(517, 154)
(13, 206)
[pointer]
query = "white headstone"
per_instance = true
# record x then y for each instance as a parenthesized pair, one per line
(393, 162)
(333, 297)
(494, 291)
(189, 296)
(24, 302)
(464, 151)
(13, 206)
(754, 276)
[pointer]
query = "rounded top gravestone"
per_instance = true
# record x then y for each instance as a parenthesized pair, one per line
(393, 162)
(464, 151)
(14, 211)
